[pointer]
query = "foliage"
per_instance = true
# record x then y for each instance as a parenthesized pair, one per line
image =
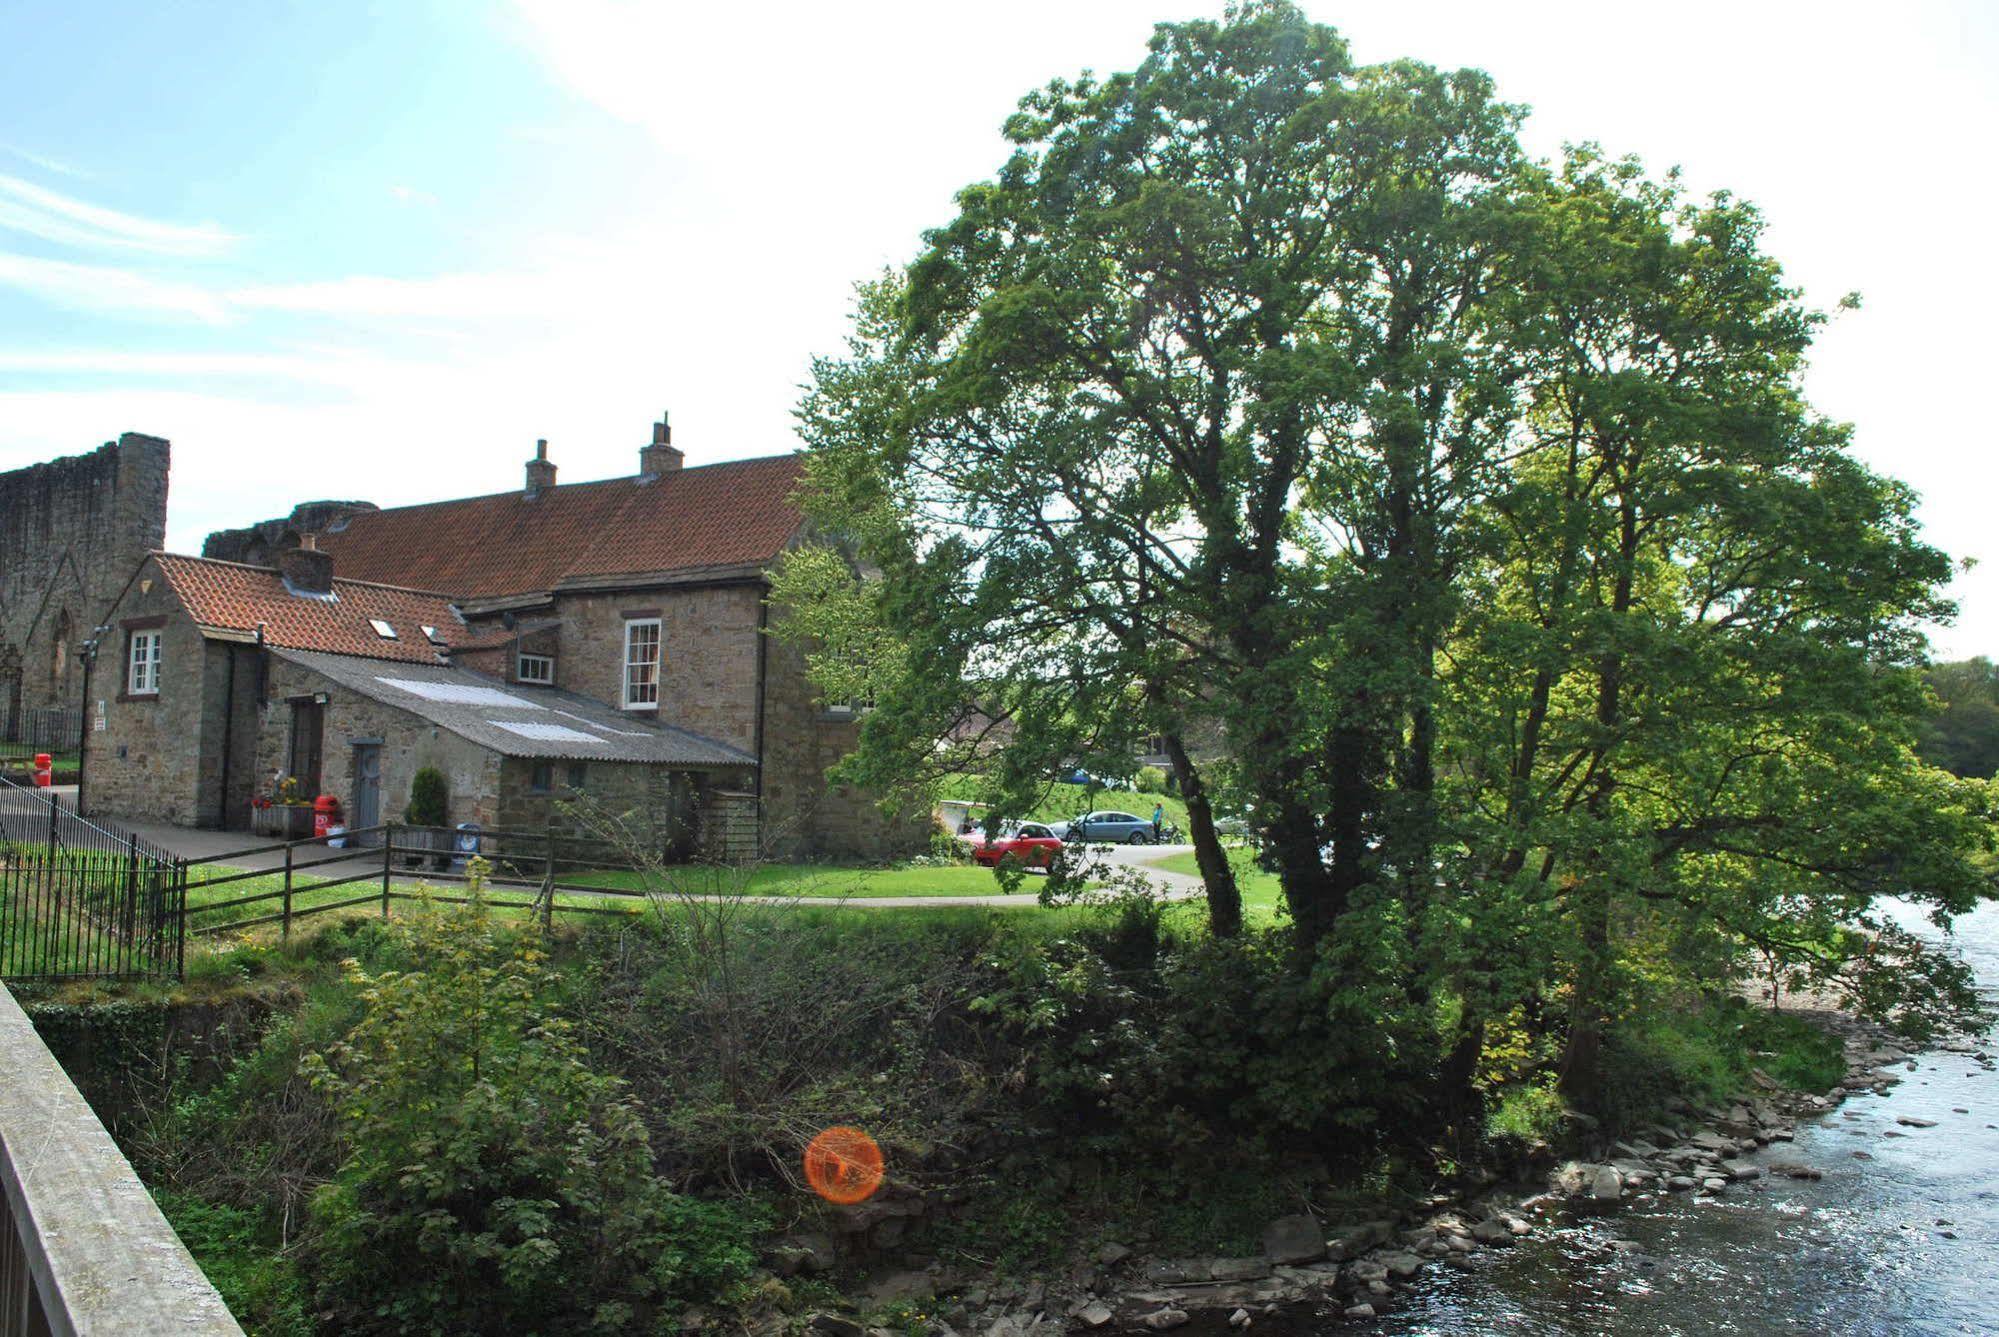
(1151, 780)
(430, 798)
(260, 1285)
(1962, 736)
(491, 1176)
(1561, 649)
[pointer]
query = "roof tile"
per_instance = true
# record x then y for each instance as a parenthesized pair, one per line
(234, 597)
(732, 514)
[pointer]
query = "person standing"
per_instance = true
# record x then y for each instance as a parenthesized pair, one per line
(1158, 822)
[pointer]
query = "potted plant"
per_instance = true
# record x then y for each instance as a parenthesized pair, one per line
(285, 813)
(429, 815)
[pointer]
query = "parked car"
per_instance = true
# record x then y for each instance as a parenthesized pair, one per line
(1107, 828)
(1033, 843)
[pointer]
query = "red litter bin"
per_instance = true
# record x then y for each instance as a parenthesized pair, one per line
(325, 815)
(45, 770)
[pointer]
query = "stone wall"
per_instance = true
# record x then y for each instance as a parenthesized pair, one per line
(143, 755)
(259, 544)
(72, 531)
(409, 743)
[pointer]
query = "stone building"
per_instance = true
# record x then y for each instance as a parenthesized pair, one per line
(71, 531)
(641, 601)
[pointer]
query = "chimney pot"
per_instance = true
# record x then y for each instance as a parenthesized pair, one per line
(540, 473)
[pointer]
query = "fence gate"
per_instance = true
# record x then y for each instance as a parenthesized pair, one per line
(83, 901)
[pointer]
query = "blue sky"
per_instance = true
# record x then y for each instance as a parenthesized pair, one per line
(375, 251)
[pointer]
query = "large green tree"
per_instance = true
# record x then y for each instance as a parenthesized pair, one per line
(1474, 497)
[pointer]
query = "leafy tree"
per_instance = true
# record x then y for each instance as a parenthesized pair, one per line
(1963, 736)
(1475, 497)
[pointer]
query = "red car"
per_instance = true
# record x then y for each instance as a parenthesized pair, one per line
(1030, 842)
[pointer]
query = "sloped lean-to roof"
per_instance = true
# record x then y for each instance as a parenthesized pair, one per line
(229, 598)
(734, 514)
(518, 721)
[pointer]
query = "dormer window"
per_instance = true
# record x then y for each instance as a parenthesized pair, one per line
(535, 668)
(382, 629)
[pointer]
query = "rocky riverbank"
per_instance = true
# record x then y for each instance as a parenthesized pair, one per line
(1311, 1273)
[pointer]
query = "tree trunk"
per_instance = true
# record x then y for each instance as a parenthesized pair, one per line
(1224, 897)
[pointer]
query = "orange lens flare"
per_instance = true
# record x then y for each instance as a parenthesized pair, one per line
(843, 1165)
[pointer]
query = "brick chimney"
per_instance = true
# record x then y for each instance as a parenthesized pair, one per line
(541, 474)
(305, 568)
(659, 456)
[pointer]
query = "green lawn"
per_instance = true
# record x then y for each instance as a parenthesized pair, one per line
(804, 879)
(1059, 802)
(1262, 897)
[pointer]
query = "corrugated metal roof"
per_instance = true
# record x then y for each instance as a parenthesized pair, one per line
(516, 720)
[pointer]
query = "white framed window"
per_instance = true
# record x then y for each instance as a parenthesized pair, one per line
(142, 677)
(382, 629)
(534, 668)
(642, 664)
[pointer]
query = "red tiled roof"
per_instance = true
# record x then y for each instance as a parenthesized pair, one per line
(735, 514)
(237, 598)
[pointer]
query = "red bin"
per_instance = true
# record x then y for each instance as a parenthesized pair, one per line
(325, 814)
(45, 770)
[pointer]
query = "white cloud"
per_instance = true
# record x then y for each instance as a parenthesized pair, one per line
(46, 163)
(114, 291)
(28, 208)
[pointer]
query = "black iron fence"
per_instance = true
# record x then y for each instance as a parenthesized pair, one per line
(57, 731)
(80, 900)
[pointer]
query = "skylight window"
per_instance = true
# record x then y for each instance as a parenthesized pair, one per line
(433, 635)
(382, 629)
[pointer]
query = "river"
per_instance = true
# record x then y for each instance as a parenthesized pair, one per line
(1906, 1242)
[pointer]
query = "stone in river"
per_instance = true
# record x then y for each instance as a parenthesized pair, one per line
(1796, 1170)
(1360, 1311)
(1494, 1233)
(1294, 1239)
(1606, 1185)
(1096, 1315)
(1714, 1185)
(1908, 1122)
(1742, 1170)
(1404, 1265)
(1862, 1156)
(1239, 1319)
(1163, 1320)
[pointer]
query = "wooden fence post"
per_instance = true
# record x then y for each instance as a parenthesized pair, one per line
(285, 934)
(388, 862)
(548, 888)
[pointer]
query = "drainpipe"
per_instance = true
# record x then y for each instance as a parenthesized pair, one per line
(83, 744)
(763, 646)
(228, 734)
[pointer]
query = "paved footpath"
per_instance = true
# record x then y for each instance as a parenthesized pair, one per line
(193, 844)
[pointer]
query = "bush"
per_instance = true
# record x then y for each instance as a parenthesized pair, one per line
(430, 799)
(493, 1180)
(1151, 780)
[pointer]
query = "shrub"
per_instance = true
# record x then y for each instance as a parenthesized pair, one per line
(493, 1180)
(430, 799)
(1151, 780)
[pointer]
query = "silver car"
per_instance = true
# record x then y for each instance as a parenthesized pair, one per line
(1109, 828)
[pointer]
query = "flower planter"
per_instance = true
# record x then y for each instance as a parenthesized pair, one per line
(281, 822)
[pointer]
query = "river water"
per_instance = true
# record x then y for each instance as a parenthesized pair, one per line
(1904, 1242)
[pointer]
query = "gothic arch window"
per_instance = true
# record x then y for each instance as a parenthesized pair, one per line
(59, 657)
